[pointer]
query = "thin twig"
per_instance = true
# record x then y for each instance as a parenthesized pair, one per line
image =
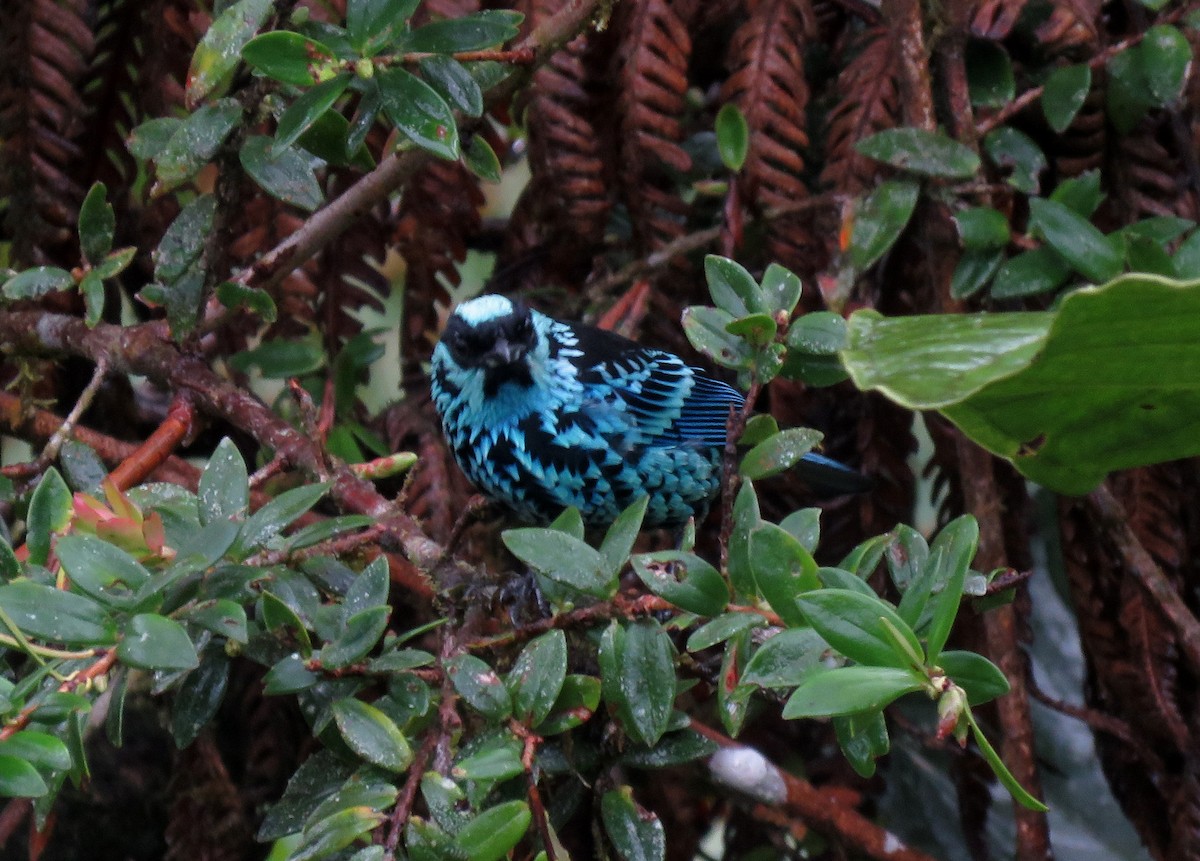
(50, 452)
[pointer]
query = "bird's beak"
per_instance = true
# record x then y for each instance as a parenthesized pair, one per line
(503, 353)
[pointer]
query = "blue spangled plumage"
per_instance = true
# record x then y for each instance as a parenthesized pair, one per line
(542, 414)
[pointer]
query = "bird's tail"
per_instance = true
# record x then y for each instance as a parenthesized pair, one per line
(830, 478)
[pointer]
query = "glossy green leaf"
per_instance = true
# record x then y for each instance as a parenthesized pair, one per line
(1064, 94)
(1016, 152)
(372, 735)
(326, 837)
(373, 21)
(19, 779)
(482, 160)
(288, 676)
(782, 451)
(786, 659)
(194, 143)
(468, 33)
(362, 632)
(46, 613)
(1031, 273)
(973, 272)
(636, 833)
(224, 490)
(282, 359)
(38, 281)
(537, 677)
(419, 112)
(198, 698)
(782, 289)
(148, 139)
(1076, 239)
(1164, 56)
(980, 678)
(577, 701)
(990, 79)
(1006, 778)
(862, 628)
(255, 300)
(562, 558)
(307, 109)
(920, 151)
(705, 329)
(722, 628)
(1187, 257)
(674, 748)
(115, 263)
(480, 687)
(328, 138)
(91, 287)
(684, 579)
(863, 738)
(450, 79)
(569, 522)
(982, 228)
(183, 243)
(282, 172)
(220, 49)
(223, 617)
(39, 749)
(50, 511)
(849, 690)
(1127, 94)
(290, 57)
(97, 224)
(733, 136)
(783, 570)
(498, 760)
(647, 679)
(745, 518)
(880, 220)
(621, 535)
(101, 570)
(733, 288)
(494, 832)
(153, 642)
(733, 697)
(317, 778)
(264, 524)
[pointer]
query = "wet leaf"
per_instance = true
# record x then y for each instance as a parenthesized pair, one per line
(220, 49)
(282, 172)
(1064, 94)
(419, 112)
(922, 152)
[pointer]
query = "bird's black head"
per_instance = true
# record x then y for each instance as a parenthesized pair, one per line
(492, 333)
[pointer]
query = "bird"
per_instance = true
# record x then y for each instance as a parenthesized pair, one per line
(543, 414)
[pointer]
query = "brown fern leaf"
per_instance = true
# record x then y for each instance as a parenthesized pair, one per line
(994, 19)
(869, 102)
(45, 46)
(1149, 174)
(767, 83)
(652, 66)
(207, 818)
(1071, 28)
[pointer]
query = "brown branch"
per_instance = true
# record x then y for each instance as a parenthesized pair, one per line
(179, 424)
(99, 668)
(905, 21)
(1102, 722)
(1114, 522)
(828, 813)
(408, 796)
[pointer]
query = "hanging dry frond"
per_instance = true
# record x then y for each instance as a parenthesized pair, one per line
(45, 48)
(1151, 176)
(994, 19)
(766, 81)
(652, 59)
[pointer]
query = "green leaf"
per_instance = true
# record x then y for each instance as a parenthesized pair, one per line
(676, 748)
(1127, 94)
(375, 20)
(183, 243)
(786, 659)
(290, 58)
(198, 697)
(1187, 257)
(419, 112)
(880, 220)
(684, 579)
(115, 263)
(219, 51)
(783, 570)
(862, 628)
(194, 143)
(97, 224)
(272, 518)
(50, 511)
(498, 760)
(39, 749)
(636, 833)
(1009, 148)
(849, 690)
(254, 299)
(224, 490)
(980, 678)
(990, 80)
(307, 109)
(733, 136)
(780, 452)
(563, 558)
(92, 289)
(781, 288)
(282, 172)
(705, 329)
(469, 33)
(537, 677)
(38, 281)
(453, 83)
(577, 701)
(745, 518)
(1031, 273)
(733, 289)
(492, 834)
(282, 359)
(1006, 778)
(647, 679)
(722, 628)
(372, 735)
(957, 543)
(1164, 56)
(148, 139)
(863, 738)
(805, 526)
(982, 228)
(482, 161)
(153, 642)
(922, 152)
(480, 687)
(223, 617)
(363, 630)
(319, 777)
(813, 341)
(569, 522)
(621, 535)
(50, 614)
(973, 272)
(19, 779)
(733, 697)
(289, 676)
(101, 570)
(1076, 239)
(1064, 94)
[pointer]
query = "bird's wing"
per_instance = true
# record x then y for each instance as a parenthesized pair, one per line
(669, 400)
